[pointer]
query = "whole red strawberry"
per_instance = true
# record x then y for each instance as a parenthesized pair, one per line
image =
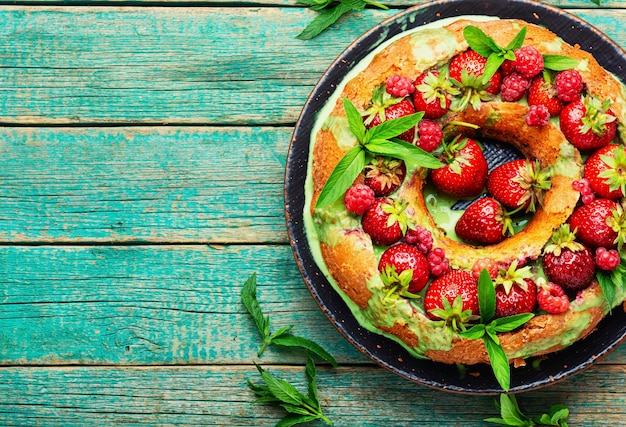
(401, 258)
(473, 64)
(588, 123)
(600, 223)
(543, 92)
(385, 221)
(384, 107)
(465, 171)
(516, 292)
(384, 175)
(459, 289)
(568, 263)
(519, 183)
(605, 170)
(483, 222)
(432, 94)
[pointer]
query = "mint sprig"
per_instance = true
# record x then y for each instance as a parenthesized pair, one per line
(282, 337)
(489, 328)
(487, 47)
(300, 408)
(511, 414)
(329, 12)
(610, 280)
(380, 140)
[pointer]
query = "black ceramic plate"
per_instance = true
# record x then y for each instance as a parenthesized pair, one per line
(612, 330)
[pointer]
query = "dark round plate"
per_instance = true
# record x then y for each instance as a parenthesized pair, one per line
(387, 353)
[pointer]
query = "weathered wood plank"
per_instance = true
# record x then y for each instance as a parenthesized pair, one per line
(175, 65)
(154, 305)
(219, 396)
(161, 184)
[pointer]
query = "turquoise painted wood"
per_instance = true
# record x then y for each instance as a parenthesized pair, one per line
(142, 156)
(137, 184)
(175, 65)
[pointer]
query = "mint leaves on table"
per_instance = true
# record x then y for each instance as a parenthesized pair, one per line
(376, 140)
(329, 12)
(300, 408)
(282, 337)
(511, 415)
(488, 328)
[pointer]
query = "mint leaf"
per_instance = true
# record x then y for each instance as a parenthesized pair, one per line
(494, 61)
(607, 285)
(355, 121)
(499, 362)
(249, 299)
(279, 388)
(479, 41)
(517, 41)
(473, 333)
(486, 297)
(509, 323)
(322, 21)
(511, 412)
(559, 62)
(290, 421)
(311, 374)
(392, 128)
(403, 150)
(342, 177)
(289, 340)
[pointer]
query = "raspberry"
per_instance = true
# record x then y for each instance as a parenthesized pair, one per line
(568, 84)
(552, 298)
(582, 185)
(607, 259)
(538, 115)
(528, 61)
(514, 87)
(507, 67)
(485, 264)
(430, 135)
(358, 198)
(419, 237)
(438, 264)
(399, 86)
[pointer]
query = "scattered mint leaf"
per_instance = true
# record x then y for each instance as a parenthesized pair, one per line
(330, 12)
(511, 415)
(376, 140)
(300, 408)
(559, 62)
(282, 337)
(596, 2)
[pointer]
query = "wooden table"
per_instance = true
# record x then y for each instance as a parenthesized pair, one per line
(141, 177)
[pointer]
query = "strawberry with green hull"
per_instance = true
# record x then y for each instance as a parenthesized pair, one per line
(516, 292)
(519, 184)
(384, 107)
(384, 175)
(484, 222)
(433, 93)
(543, 92)
(600, 223)
(567, 262)
(605, 171)
(466, 71)
(465, 169)
(588, 123)
(453, 298)
(386, 221)
(404, 259)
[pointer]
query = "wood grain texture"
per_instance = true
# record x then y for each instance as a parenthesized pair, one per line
(175, 65)
(202, 396)
(162, 184)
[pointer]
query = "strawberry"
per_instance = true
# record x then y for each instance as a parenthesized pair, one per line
(568, 263)
(401, 258)
(385, 221)
(600, 223)
(543, 92)
(466, 70)
(483, 222)
(465, 173)
(605, 171)
(385, 107)
(588, 123)
(519, 183)
(432, 94)
(516, 292)
(384, 175)
(453, 298)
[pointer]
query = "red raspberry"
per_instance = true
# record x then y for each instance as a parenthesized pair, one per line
(538, 115)
(552, 298)
(358, 198)
(568, 84)
(438, 264)
(514, 87)
(399, 86)
(419, 237)
(607, 259)
(507, 67)
(485, 264)
(430, 135)
(582, 185)
(528, 61)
